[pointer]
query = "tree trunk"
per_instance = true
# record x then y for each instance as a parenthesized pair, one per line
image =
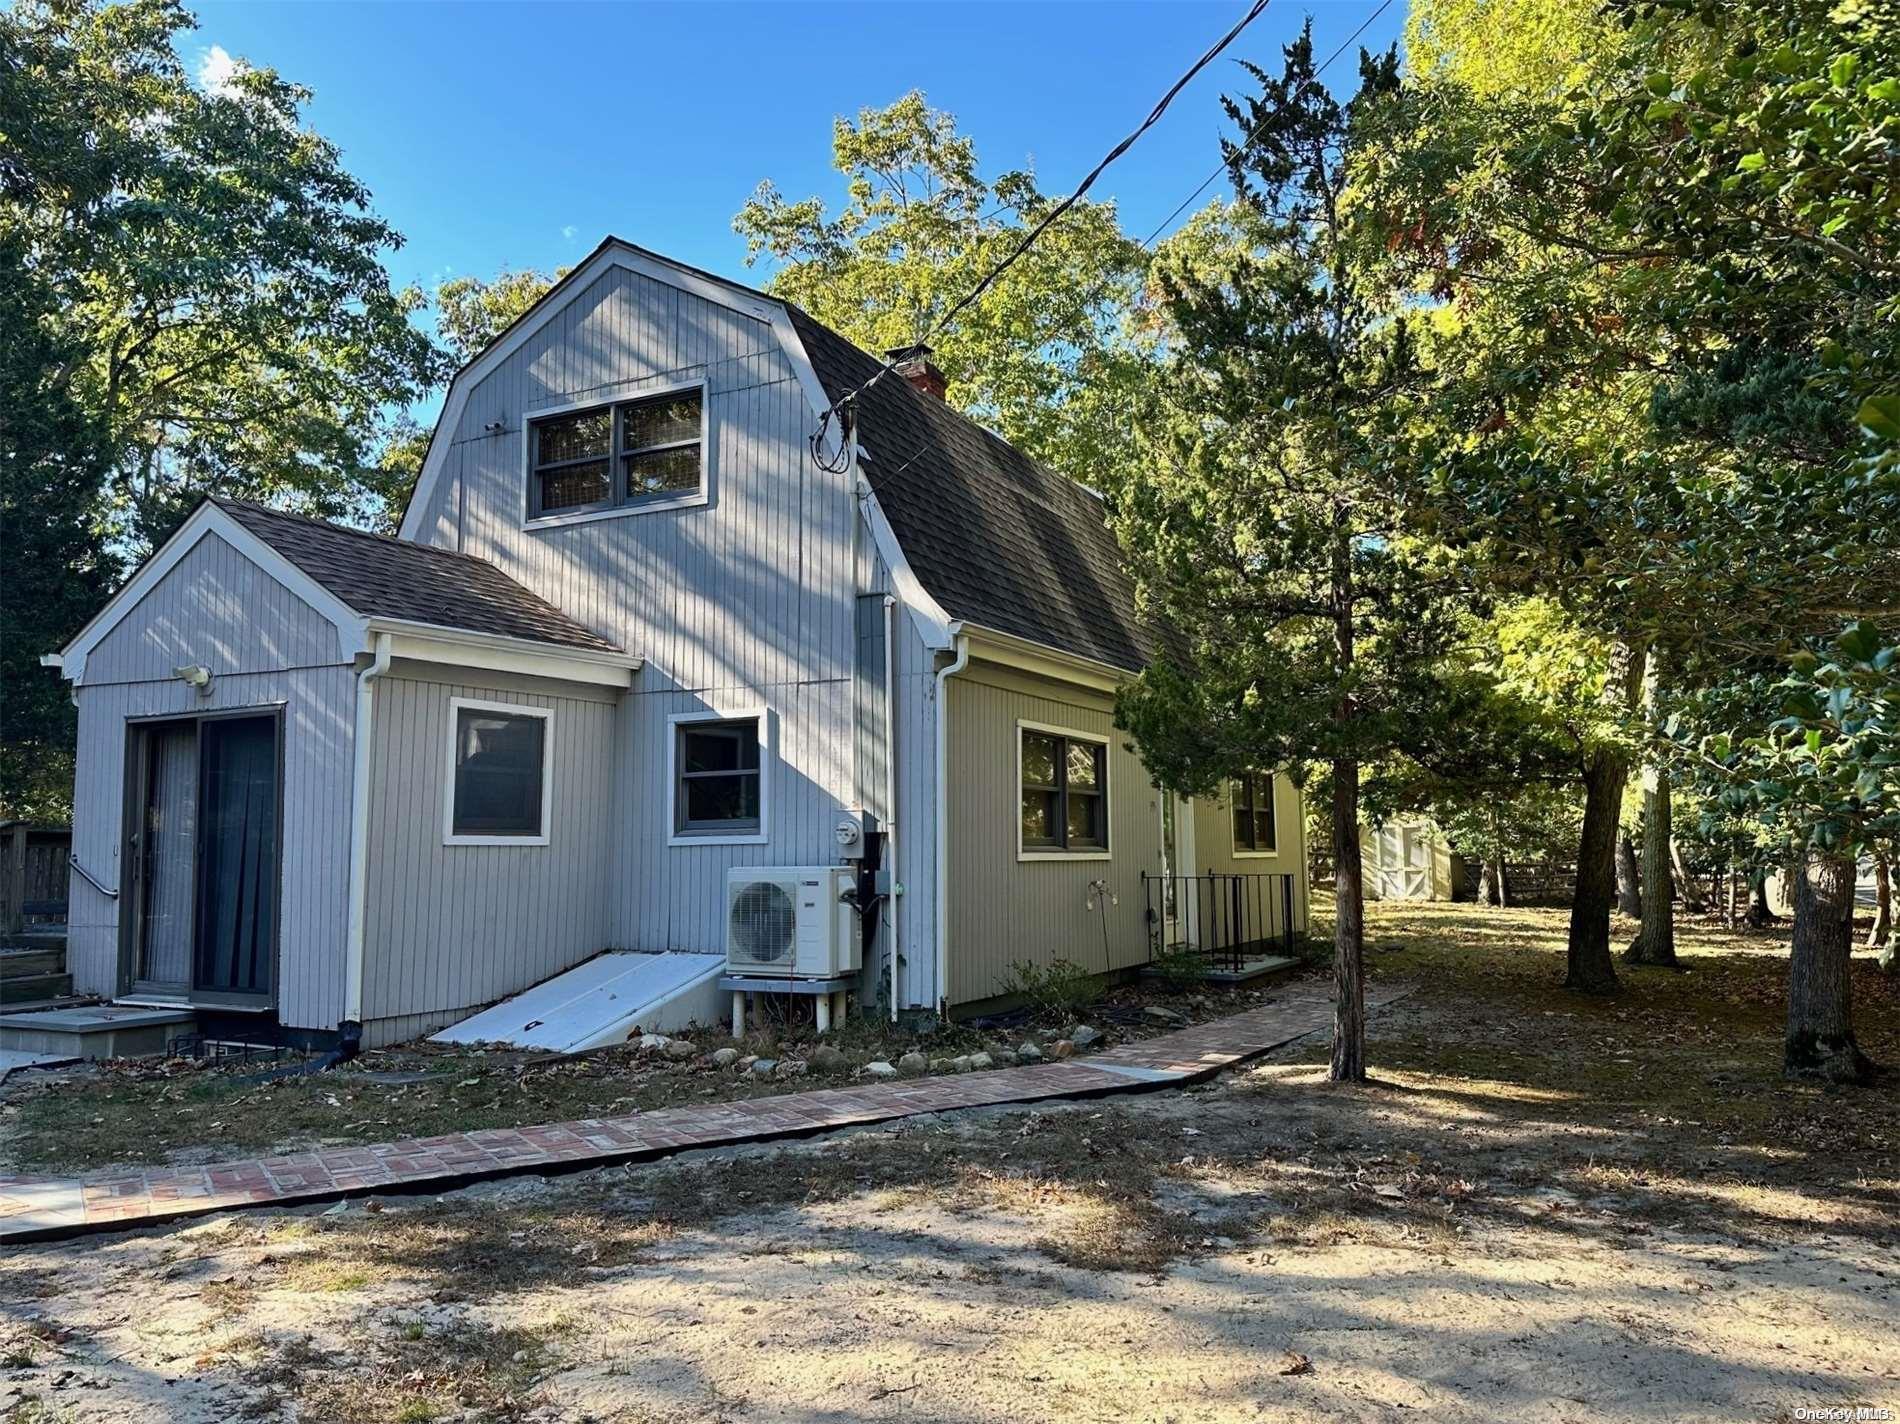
(1590, 969)
(1655, 941)
(1349, 963)
(1488, 882)
(1349, 871)
(1881, 936)
(1688, 888)
(1504, 883)
(1820, 1040)
(1629, 899)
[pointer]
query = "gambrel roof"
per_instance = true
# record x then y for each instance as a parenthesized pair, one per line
(998, 539)
(978, 533)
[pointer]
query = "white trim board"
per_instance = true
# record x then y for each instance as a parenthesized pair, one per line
(458, 705)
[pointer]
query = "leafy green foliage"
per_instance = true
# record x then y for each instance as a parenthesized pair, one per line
(472, 311)
(1260, 516)
(217, 276)
(1058, 989)
(52, 557)
(1824, 774)
(1041, 356)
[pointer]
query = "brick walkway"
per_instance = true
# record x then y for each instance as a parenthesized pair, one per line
(47, 1208)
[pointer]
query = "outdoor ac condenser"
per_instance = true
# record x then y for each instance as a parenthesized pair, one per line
(797, 921)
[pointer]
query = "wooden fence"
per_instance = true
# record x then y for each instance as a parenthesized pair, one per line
(35, 872)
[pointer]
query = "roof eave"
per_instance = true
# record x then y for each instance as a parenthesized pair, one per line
(496, 652)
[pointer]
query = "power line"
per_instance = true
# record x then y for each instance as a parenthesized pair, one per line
(1301, 89)
(1247, 142)
(1253, 13)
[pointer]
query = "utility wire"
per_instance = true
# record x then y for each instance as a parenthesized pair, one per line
(1253, 13)
(1247, 142)
(1319, 69)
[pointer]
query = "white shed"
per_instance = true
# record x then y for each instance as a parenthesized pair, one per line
(1407, 859)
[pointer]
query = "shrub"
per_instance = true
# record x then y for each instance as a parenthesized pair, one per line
(1059, 988)
(1179, 968)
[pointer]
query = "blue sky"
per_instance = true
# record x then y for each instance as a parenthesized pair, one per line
(519, 134)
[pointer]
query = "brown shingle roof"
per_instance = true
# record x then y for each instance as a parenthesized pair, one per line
(998, 539)
(381, 577)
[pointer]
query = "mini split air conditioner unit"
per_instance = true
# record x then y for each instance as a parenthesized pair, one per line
(800, 922)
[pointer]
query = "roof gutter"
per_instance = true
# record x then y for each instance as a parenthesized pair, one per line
(944, 674)
(464, 647)
(353, 950)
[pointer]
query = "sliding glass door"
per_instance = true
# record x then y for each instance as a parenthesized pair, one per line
(204, 819)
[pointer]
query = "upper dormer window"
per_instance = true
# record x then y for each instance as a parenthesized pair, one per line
(636, 453)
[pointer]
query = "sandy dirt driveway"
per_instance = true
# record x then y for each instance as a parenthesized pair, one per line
(955, 1270)
(1544, 1207)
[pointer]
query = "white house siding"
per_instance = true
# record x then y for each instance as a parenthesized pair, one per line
(748, 600)
(215, 608)
(319, 711)
(914, 910)
(1004, 910)
(449, 928)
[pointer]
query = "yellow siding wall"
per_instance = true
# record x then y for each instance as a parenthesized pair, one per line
(1004, 910)
(1214, 842)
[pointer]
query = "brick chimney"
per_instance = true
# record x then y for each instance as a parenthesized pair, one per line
(913, 363)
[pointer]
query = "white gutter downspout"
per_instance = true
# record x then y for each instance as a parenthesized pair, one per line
(890, 792)
(944, 674)
(359, 832)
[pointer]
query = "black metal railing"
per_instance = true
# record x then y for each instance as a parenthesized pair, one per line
(1226, 919)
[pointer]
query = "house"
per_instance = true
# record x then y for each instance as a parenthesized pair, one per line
(643, 624)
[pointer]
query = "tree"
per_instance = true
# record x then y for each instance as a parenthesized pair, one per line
(1823, 779)
(1880, 933)
(1041, 356)
(1655, 941)
(217, 276)
(1672, 279)
(471, 311)
(1261, 515)
(54, 558)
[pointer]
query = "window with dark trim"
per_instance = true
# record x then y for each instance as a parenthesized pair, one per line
(1253, 813)
(716, 778)
(500, 761)
(1064, 792)
(631, 453)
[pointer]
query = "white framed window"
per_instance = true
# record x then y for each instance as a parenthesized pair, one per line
(601, 459)
(1063, 805)
(719, 769)
(499, 775)
(1256, 833)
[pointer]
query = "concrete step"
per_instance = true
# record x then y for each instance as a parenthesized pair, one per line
(31, 988)
(94, 1030)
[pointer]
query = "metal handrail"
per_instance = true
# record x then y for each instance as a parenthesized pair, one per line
(1231, 917)
(90, 878)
